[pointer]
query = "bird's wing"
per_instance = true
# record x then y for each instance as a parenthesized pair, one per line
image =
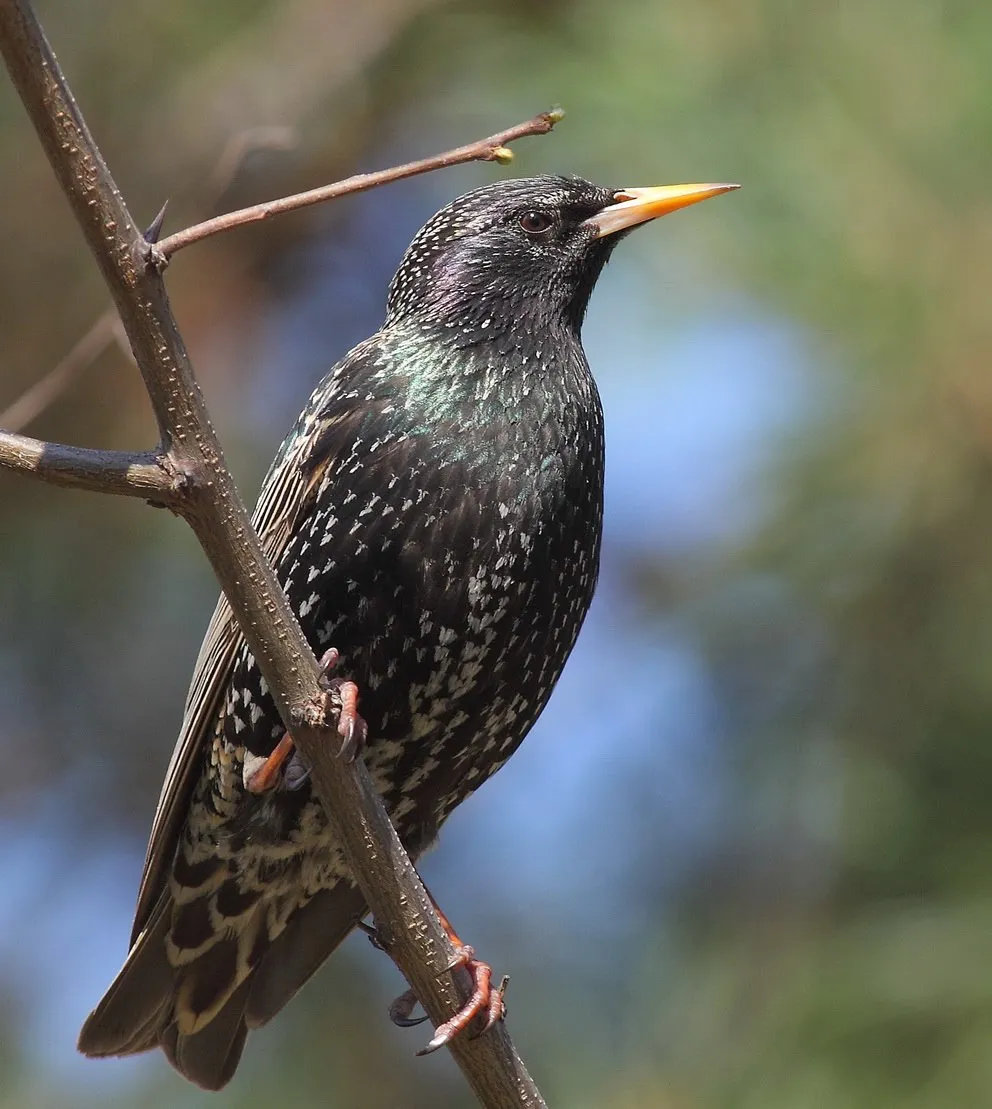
(282, 500)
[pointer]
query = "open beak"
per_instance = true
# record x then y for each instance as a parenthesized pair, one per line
(634, 206)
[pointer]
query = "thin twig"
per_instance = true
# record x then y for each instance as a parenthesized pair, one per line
(210, 503)
(34, 400)
(492, 149)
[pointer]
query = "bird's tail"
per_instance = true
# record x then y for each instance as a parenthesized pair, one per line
(199, 1009)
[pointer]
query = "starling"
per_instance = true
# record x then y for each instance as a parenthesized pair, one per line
(435, 518)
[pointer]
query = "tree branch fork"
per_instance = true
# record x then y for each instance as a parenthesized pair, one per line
(187, 474)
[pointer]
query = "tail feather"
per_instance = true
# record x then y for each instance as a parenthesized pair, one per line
(200, 1011)
(294, 956)
(132, 1013)
(210, 1056)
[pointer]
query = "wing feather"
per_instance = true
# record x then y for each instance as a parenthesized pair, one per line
(287, 489)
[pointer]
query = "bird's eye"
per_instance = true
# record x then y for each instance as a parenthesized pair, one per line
(535, 223)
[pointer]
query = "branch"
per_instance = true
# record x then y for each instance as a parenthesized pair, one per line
(210, 503)
(151, 476)
(493, 149)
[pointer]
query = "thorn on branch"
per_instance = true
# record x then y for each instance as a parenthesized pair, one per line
(154, 229)
(148, 254)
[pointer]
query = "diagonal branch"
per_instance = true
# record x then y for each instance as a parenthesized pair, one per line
(209, 501)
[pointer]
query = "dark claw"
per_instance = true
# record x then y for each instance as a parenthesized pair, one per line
(402, 1007)
(296, 774)
(355, 732)
(328, 661)
(496, 1010)
(351, 726)
(374, 936)
(464, 956)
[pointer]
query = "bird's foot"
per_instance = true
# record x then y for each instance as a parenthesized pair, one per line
(485, 1001)
(351, 725)
(284, 765)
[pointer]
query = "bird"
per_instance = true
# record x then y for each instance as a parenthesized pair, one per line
(435, 518)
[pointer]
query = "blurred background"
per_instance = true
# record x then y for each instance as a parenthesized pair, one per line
(768, 881)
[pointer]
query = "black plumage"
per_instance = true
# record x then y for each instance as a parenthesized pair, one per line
(435, 515)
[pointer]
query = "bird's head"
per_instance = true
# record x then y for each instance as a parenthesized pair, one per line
(521, 255)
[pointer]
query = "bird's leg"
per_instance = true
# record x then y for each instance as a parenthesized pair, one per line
(262, 774)
(484, 1000)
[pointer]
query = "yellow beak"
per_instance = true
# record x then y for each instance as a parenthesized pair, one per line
(634, 206)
